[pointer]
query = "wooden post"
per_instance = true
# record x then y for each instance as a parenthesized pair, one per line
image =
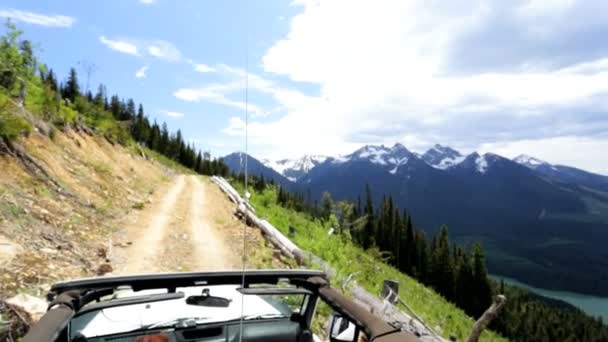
(487, 317)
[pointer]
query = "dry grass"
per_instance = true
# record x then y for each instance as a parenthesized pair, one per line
(60, 230)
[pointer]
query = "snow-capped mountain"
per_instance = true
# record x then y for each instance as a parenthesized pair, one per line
(566, 174)
(294, 169)
(442, 157)
(530, 162)
(483, 195)
(390, 158)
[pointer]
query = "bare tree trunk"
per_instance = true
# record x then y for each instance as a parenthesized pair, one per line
(487, 317)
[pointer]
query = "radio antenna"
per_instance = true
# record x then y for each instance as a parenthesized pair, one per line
(246, 194)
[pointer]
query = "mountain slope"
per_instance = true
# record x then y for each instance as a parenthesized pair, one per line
(566, 174)
(561, 212)
(236, 163)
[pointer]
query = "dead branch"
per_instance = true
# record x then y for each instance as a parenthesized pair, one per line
(487, 317)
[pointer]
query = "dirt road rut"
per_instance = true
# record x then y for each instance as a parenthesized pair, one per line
(176, 232)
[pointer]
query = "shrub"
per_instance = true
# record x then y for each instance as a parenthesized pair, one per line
(11, 126)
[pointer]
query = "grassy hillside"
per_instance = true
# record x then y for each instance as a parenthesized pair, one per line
(368, 269)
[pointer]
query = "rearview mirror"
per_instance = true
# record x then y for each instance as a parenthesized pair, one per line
(207, 300)
(342, 330)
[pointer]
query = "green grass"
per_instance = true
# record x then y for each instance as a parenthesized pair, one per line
(346, 258)
(102, 168)
(138, 206)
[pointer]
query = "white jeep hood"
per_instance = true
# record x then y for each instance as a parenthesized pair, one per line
(131, 317)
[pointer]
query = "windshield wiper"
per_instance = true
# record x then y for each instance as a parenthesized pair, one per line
(150, 298)
(185, 322)
(263, 316)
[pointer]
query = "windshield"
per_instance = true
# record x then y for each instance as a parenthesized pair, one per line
(177, 313)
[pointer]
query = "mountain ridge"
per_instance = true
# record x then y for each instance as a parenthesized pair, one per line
(439, 156)
(561, 211)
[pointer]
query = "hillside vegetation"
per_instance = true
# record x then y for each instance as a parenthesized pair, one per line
(367, 267)
(525, 317)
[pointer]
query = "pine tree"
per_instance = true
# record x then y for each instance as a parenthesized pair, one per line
(396, 233)
(464, 281)
(100, 97)
(481, 284)
(369, 228)
(27, 55)
(154, 139)
(51, 80)
(71, 89)
(130, 110)
(422, 258)
(410, 246)
(442, 271)
(164, 143)
(116, 107)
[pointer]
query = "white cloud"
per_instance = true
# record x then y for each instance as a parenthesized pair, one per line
(120, 45)
(215, 93)
(160, 49)
(236, 127)
(222, 93)
(141, 72)
(464, 73)
(147, 2)
(172, 113)
(164, 50)
(37, 18)
(200, 67)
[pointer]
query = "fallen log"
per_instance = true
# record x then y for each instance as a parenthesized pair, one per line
(487, 317)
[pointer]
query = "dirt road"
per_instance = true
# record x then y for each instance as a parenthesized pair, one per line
(181, 230)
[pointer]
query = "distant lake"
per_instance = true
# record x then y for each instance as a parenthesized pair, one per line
(592, 305)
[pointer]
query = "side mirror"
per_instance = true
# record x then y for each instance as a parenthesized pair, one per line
(342, 330)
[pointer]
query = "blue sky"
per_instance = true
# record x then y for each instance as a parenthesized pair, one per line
(326, 77)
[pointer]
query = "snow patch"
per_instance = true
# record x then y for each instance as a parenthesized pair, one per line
(340, 159)
(481, 164)
(448, 162)
(528, 161)
(304, 164)
(378, 160)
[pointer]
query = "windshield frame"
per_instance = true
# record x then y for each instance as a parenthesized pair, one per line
(135, 311)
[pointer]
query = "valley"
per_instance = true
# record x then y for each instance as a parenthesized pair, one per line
(592, 305)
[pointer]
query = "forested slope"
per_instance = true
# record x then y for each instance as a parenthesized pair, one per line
(380, 241)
